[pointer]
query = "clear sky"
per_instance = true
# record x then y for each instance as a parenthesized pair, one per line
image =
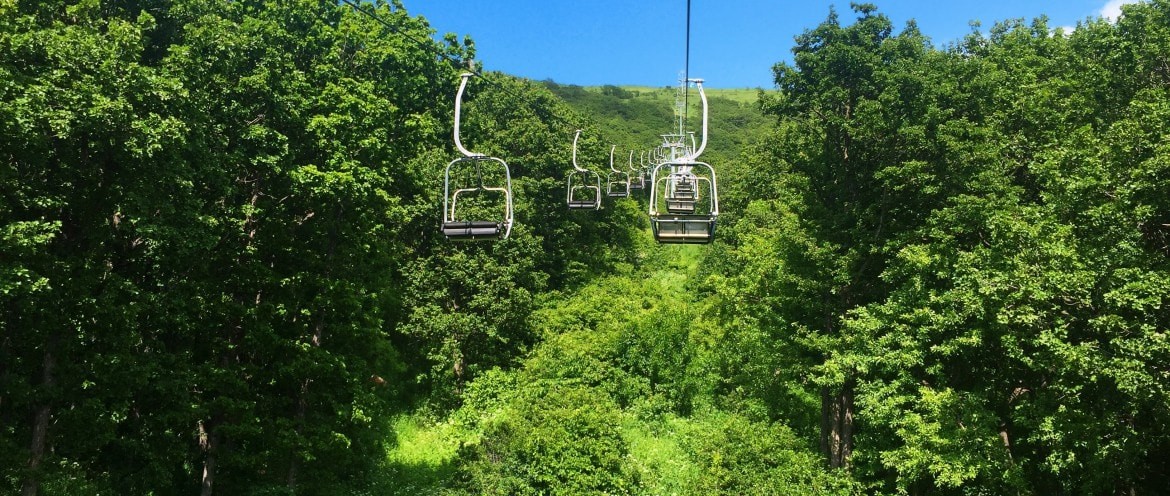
(734, 43)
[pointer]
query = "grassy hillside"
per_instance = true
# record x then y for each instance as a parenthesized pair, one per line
(633, 117)
(666, 94)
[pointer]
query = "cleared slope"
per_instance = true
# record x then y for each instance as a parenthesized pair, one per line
(633, 117)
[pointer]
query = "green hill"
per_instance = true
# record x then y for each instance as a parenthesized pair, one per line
(633, 117)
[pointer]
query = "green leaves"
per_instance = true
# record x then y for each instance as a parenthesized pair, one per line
(967, 233)
(219, 260)
(206, 223)
(555, 440)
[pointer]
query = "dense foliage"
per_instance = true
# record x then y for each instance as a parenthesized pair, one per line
(959, 256)
(221, 266)
(939, 271)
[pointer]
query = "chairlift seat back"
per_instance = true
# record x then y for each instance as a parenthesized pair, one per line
(455, 225)
(684, 229)
(678, 206)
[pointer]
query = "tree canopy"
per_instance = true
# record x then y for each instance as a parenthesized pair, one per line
(937, 271)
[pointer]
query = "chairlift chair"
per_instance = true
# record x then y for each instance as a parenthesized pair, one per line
(617, 182)
(681, 193)
(637, 179)
(689, 191)
(581, 194)
(475, 179)
(674, 146)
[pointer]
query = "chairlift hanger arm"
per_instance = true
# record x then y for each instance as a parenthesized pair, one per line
(458, 112)
(703, 97)
(575, 166)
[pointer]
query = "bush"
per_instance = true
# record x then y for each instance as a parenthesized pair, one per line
(738, 456)
(554, 439)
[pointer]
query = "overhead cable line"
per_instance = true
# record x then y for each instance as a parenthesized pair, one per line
(424, 45)
(687, 74)
(430, 47)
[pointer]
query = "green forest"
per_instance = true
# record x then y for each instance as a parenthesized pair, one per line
(942, 267)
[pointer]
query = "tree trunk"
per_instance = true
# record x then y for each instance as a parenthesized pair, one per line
(315, 340)
(294, 468)
(1007, 440)
(40, 433)
(845, 453)
(457, 369)
(837, 424)
(826, 422)
(299, 421)
(208, 441)
(5, 346)
(293, 465)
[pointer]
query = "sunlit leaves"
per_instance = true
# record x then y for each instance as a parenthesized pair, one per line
(1004, 192)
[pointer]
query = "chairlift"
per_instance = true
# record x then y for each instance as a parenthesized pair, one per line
(689, 191)
(646, 163)
(681, 193)
(673, 146)
(473, 199)
(584, 185)
(617, 182)
(637, 178)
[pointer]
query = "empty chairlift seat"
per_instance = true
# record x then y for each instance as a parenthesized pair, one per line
(472, 229)
(684, 195)
(690, 200)
(682, 199)
(684, 229)
(637, 182)
(477, 191)
(583, 189)
(584, 197)
(637, 179)
(477, 201)
(617, 183)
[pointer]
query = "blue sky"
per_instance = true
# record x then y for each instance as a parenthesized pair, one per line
(734, 43)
